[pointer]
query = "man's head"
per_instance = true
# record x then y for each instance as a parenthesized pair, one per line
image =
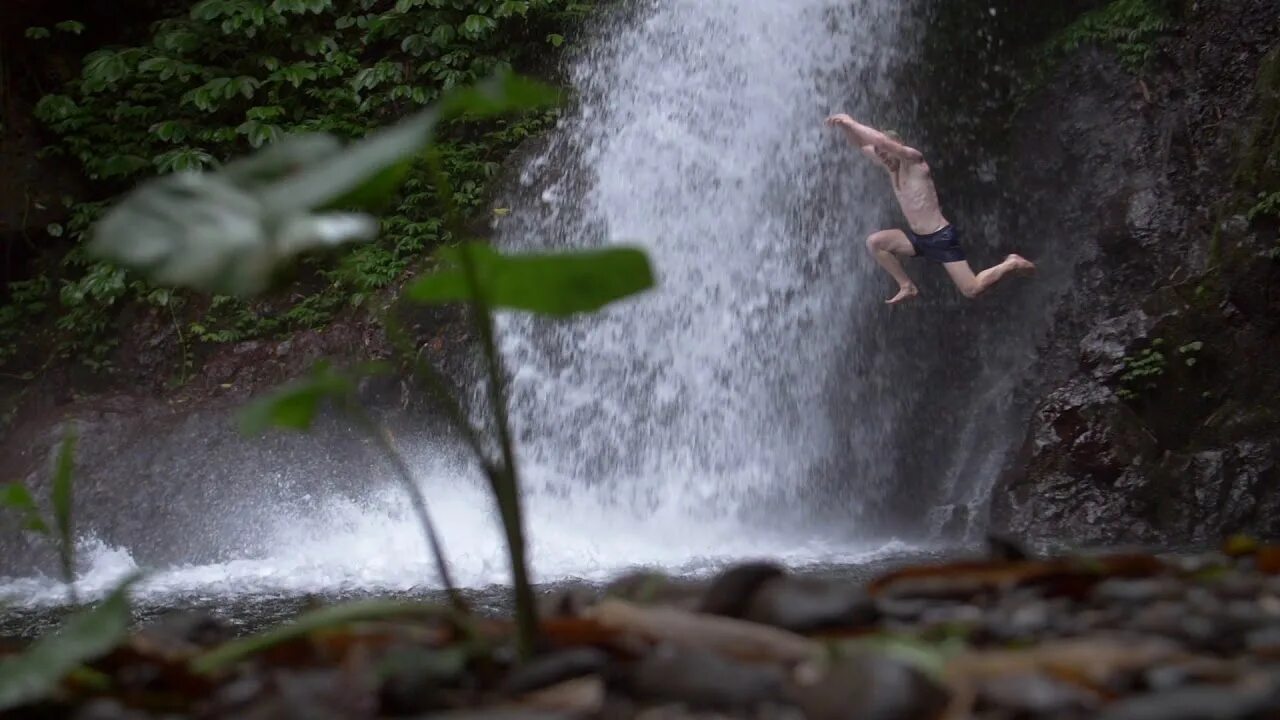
(891, 161)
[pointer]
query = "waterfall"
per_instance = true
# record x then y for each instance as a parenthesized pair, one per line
(699, 137)
(690, 427)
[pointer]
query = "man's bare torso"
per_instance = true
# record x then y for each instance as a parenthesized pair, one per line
(913, 185)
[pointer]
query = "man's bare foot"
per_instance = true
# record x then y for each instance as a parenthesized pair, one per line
(906, 292)
(1020, 264)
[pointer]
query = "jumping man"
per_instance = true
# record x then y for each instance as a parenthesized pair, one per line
(928, 233)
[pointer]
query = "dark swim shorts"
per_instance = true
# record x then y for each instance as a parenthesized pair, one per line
(942, 246)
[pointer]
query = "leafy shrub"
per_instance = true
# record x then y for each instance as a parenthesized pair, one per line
(1130, 26)
(232, 75)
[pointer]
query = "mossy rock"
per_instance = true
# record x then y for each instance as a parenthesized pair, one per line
(1259, 169)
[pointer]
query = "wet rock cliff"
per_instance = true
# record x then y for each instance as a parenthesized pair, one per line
(1154, 399)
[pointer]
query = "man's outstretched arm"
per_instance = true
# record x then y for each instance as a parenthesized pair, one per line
(864, 137)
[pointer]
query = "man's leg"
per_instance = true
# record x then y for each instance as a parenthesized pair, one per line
(971, 286)
(885, 246)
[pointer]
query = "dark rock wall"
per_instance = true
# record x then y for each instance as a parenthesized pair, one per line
(1143, 172)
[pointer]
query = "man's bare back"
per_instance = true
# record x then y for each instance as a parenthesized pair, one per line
(930, 234)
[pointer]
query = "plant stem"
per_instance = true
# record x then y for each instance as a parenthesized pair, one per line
(62, 499)
(424, 371)
(182, 343)
(505, 480)
(382, 437)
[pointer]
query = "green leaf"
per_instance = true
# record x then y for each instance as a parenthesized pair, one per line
(505, 93)
(121, 165)
(182, 160)
(443, 35)
(170, 130)
(103, 68)
(555, 40)
(52, 108)
(18, 499)
(556, 284)
(334, 178)
(305, 624)
(212, 231)
(377, 191)
(415, 45)
(70, 26)
(36, 33)
(512, 7)
(475, 26)
(294, 406)
(371, 169)
(86, 636)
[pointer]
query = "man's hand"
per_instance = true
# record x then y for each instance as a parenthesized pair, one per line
(840, 120)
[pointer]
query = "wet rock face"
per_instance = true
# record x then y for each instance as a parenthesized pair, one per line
(1143, 173)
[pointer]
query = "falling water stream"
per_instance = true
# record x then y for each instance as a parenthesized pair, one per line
(682, 429)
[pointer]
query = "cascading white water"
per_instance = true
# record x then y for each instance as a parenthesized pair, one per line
(667, 430)
(700, 138)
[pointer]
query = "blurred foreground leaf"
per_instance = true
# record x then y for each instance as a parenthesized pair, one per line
(63, 472)
(17, 498)
(86, 636)
(557, 284)
(228, 231)
(294, 406)
(324, 618)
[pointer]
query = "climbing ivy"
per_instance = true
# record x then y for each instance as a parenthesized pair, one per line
(225, 76)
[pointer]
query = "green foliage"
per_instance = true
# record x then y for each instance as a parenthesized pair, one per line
(86, 636)
(1143, 372)
(1268, 206)
(231, 75)
(28, 302)
(1259, 171)
(1130, 26)
(1189, 351)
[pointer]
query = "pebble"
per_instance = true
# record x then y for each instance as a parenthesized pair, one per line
(554, 668)
(904, 609)
(1265, 641)
(732, 592)
(414, 679)
(1138, 591)
(862, 686)
(809, 605)
(1035, 693)
(699, 679)
(1196, 702)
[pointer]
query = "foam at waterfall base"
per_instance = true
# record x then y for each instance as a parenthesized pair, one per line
(373, 545)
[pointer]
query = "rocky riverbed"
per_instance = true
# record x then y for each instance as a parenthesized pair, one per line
(1121, 636)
